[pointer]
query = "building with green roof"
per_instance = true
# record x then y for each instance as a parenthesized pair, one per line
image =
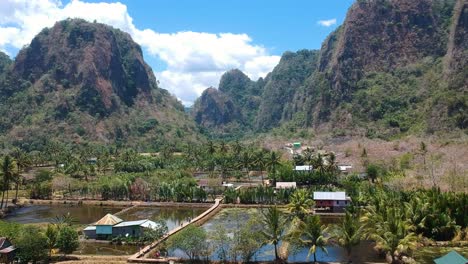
(451, 258)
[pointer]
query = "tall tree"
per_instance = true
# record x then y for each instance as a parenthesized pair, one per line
(8, 170)
(272, 164)
(300, 203)
(348, 233)
(23, 160)
(309, 233)
(274, 225)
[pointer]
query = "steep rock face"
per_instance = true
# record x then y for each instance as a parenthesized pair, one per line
(277, 100)
(215, 109)
(457, 48)
(380, 35)
(87, 82)
(380, 70)
(244, 93)
(101, 60)
(394, 67)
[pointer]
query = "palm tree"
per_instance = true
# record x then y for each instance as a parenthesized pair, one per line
(274, 225)
(319, 164)
(309, 233)
(347, 234)
(331, 166)
(23, 161)
(307, 155)
(390, 229)
(237, 148)
(246, 162)
(211, 149)
(223, 148)
(8, 170)
(272, 163)
(300, 203)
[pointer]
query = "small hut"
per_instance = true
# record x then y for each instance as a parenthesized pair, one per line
(7, 251)
(105, 224)
(451, 258)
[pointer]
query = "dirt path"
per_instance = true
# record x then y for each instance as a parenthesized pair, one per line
(140, 256)
(76, 259)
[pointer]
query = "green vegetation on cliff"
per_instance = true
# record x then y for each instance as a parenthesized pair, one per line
(87, 82)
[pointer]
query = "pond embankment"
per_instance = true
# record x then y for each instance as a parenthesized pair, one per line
(117, 203)
(142, 255)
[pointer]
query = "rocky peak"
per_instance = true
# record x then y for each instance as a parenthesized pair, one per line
(214, 109)
(104, 65)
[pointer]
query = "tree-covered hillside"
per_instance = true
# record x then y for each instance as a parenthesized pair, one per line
(86, 82)
(394, 67)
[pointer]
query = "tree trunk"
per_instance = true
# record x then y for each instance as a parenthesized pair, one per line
(276, 252)
(3, 196)
(315, 257)
(6, 201)
(16, 192)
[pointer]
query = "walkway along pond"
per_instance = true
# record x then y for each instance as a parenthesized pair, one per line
(140, 256)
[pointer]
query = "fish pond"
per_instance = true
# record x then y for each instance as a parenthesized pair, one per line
(235, 218)
(172, 216)
(44, 213)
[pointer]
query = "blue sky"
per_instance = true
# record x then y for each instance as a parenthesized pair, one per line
(189, 44)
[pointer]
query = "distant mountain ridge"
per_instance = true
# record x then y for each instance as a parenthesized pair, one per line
(86, 82)
(394, 67)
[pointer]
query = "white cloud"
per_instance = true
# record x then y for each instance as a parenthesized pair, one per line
(195, 60)
(327, 23)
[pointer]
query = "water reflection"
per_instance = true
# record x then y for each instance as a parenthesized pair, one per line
(233, 218)
(83, 214)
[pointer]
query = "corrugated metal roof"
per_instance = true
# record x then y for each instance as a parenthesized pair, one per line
(109, 219)
(335, 196)
(304, 168)
(90, 228)
(451, 258)
(344, 167)
(131, 223)
(285, 185)
(7, 250)
(144, 223)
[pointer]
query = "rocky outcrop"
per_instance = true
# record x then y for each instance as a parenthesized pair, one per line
(79, 82)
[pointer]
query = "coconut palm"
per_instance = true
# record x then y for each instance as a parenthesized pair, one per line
(318, 164)
(274, 224)
(23, 161)
(310, 233)
(300, 203)
(348, 233)
(9, 169)
(272, 163)
(390, 229)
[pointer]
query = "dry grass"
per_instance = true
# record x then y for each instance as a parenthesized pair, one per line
(446, 162)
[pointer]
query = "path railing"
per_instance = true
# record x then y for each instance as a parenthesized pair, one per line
(140, 256)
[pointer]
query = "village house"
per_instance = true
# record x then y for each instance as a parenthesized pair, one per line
(7, 251)
(345, 169)
(304, 168)
(285, 185)
(333, 201)
(452, 257)
(111, 226)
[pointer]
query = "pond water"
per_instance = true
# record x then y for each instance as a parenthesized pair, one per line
(83, 214)
(234, 218)
(173, 216)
